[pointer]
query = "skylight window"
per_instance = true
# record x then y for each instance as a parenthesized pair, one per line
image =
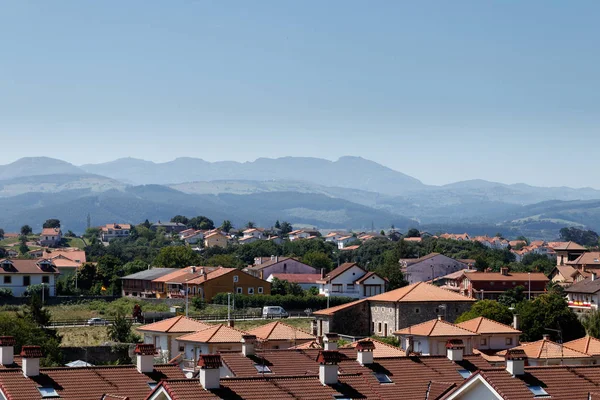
(152, 385)
(48, 392)
(537, 391)
(382, 378)
(464, 373)
(263, 369)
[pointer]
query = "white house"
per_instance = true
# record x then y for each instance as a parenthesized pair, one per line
(298, 234)
(248, 239)
(492, 335)
(50, 237)
(192, 237)
(112, 231)
(583, 296)
(430, 338)
(350, 280)
(344, 240)
(256, 233)
(17, 275)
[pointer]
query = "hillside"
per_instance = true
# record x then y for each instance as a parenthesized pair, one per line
(57, 183)
(31, 166)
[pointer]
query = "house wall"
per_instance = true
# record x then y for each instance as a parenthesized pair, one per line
(289, 266)
(435, 346)
(408, 314)
(17, 287)
(219, 240)
(477, 391)
(225, 283)
(347, 278)
(496, 342)
(351, 321)
(282, 344)
(442, 265)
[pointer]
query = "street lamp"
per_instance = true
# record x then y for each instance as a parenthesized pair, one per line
(529, 275)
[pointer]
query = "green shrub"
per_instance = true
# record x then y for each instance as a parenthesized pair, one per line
(5, 293)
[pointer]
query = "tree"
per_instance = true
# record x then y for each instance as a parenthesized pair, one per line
(382, 233)
(35, 310)
(591, 323)
(226, 226)
(489, 309)
(413, 233)
(147, 224)
(70, 233)
(92, 234)
(286, 228)
(580, 236)
(393, 274)
(176, 257)
(23, 248)
(120, 330)
(52, 223)
(318, 260)
(26, 230)
(224, 260)
(27, 332)
(180, 219)
(511, 297)
(250, 225)
(277, 224)
(1, 233)
(548, 311)
(201, 222)
(283, 288)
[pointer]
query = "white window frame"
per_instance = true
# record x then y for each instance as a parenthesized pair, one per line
(239, 290)
(250, 290)
(236, 278)
(260, 290)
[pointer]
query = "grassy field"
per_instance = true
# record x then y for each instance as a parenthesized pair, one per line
(101, 308)
(300, 323)
(75, 242)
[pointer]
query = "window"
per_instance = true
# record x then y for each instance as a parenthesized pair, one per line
(337, 288)
(239, 290)
(464, 373)
(284, 266)
(250, 290)
(47, 392)
(26, 280)
(509, 341)
(260, 290)
(379, 327)
(8, 279)
(236, 278)
(385, 329)
(350, 287)
(152, 385)
(483, 342)
(373, 326)
(181, 349)
(537, 391)
(382, 378)
(262, 369)
(417, 310)
(45, 279)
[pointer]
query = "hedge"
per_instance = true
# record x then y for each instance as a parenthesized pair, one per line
(288, 302)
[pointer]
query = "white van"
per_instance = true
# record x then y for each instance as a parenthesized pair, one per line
(274, 312)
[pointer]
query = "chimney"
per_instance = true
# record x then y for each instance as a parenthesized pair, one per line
(322, 273)
(408, 344)
(31, 360)
(193, 270)
(593, 276)
(328, 366)
(145, 357)
(440, 317)
(364, 352)
(231, 323)
(248, 342)
(330, 341)
(7, 350)
(272, 257)
(516, 321)
(504, 271)
(515, 361)
(455, 349)
(210, 375)
(546, 336)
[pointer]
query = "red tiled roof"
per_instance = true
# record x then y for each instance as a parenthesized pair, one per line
(180, 324)
(212, 361)
(6, 341)
(435, 328)
(31, 352)
(87, 383)
(511, 276)
(144, 349)
(339, 271)
(298, 278)
(588, 345)
(487, 326)
(26, 267)
(50, 231)
(333, 310)
(279, 331)
(543, 349)
(420, 292)
(214, 334)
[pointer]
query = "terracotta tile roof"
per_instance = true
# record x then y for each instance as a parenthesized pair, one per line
(87, 383)
(307, 345)
(487, 326)
(566, 246)
(279, 331)
(171, 275)
(382, 350)
(113, 397)
(270, 262)
(31, 352)
(420, 292)
(368, 275)
(566, 271)
(298, 278)
(116, 227)
(70, 253)
(333, 310)
(214, 234)
(212, 361)
(490, 356)
(512, 276)
(29, 267)
(544, 348)
(588, 345)
(6, 341)
(413, 239)
(180, 324)
(50, 231)
(353, 247)
(591, 259)
(210, 275)
(339, 271)
(144, 349)
(215, 334)
(434, 328)
(584, 286)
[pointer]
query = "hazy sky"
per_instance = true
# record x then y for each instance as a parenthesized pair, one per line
(441, 90)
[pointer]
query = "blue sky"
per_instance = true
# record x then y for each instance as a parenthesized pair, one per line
(441, 90)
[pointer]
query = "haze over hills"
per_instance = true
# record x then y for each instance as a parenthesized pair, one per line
(351, 193)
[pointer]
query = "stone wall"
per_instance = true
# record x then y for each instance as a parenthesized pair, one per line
(353, 321)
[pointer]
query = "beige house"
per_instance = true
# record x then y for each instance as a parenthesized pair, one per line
(215, 239)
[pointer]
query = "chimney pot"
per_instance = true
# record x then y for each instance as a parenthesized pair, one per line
(330, 341)
(145, 357)
(328, 366)
(364, 352)
(455, 349)
(31, 360)
(210, 375)
(515, 361)
(516, 321)
(546, 336)
(593, 276)
(7, 350)
(248, 342)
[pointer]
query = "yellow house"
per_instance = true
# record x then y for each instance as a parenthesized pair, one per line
(215, 239)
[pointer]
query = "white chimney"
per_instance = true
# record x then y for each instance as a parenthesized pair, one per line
(455, 349)
(516, 321)
(515, 361)
(330, 341)
(145, 357)
(31, 360)
(7, 350)
(248, 342)
(210, 375)
(364, 352)
(328, 366)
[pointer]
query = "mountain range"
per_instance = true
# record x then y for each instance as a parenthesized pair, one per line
(352, 193)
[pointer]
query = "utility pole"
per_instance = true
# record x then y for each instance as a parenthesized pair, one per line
(529, 274)
(228, 306)
(187, 289)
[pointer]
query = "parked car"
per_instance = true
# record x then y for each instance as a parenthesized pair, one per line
(274, 312)
(97, 321)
